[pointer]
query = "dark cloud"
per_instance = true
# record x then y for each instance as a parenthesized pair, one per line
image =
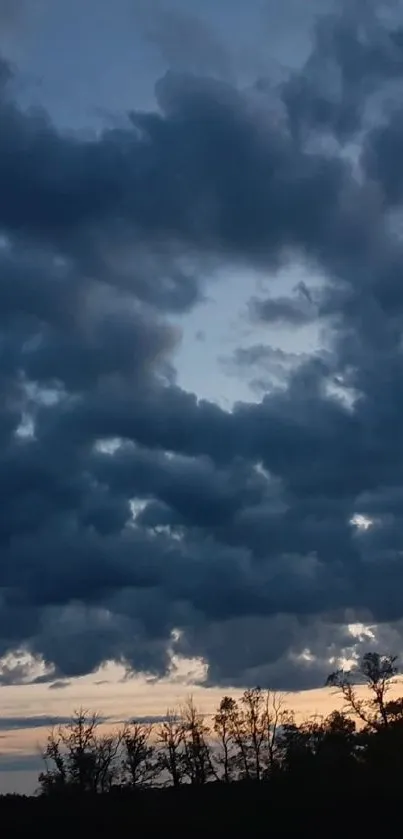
(18, 723)
(254, 648)
(264, 367)
(353, 56)
(149, 719)
(208, 170)
(381, 157)
(264, 354)
(137, 520)
(297, 310)
(21, 763)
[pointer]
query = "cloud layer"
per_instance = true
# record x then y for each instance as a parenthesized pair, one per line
(137, 521)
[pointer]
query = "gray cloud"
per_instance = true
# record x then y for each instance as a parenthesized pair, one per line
(135, 519)
(22, 763)
(354, 55)
(184, 40)
(265, 367)
(297, 311)
(264, 355)
(18, 723)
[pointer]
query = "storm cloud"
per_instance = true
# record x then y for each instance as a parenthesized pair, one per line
(138, 521)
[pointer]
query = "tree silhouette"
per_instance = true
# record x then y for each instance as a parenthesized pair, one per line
(170, 739)
(248, 732)
(198, 764)
(320, 746)
(275, 716)
(77, 757)
(376, 672)
(139, 767)
(253, 738)
(223, 726)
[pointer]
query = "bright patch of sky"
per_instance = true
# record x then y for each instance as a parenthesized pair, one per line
(221, 324)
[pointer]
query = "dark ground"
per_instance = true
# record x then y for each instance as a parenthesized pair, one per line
(212, 810)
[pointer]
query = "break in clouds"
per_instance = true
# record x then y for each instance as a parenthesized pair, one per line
(137, 521)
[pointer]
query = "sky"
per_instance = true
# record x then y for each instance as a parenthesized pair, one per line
(201, 357)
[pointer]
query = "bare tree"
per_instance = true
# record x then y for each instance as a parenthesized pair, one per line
(255, 727)
(376, 672)
(106, 769)
(275, 715)
(55, 777)
(223, 725)
(77, 756)
(139, 766)
(248, 732)
(170, 738)
(239, 736)
(198, 765)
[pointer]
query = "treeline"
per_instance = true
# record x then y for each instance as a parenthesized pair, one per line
(254, 739)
